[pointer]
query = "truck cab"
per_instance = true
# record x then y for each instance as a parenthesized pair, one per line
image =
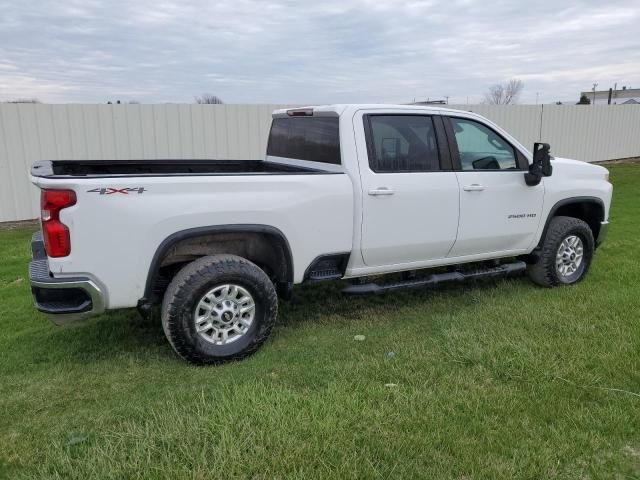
(434, 186)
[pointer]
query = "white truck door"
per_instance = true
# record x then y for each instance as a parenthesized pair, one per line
(410, 193)
(498, 211)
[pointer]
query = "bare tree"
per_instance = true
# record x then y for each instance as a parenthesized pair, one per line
(504, 93)
(24, 100)
(208, 99)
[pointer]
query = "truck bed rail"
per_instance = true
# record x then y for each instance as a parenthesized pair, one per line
(157, 168)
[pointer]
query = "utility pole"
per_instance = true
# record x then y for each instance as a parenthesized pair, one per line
(594, 93)
(537, 97)
(446, 97)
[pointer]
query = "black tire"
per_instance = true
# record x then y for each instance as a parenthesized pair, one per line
(544, 272)
(190, 285)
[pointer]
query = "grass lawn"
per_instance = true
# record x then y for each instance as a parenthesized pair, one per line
(491, 380)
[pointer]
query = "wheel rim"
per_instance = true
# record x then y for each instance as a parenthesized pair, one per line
(224, 314)
(569, 256)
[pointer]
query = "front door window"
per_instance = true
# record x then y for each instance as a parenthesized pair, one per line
(481, 148)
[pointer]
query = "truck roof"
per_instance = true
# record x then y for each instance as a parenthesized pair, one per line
(340, 108)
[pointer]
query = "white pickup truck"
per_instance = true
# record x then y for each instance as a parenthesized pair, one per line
(345, 192)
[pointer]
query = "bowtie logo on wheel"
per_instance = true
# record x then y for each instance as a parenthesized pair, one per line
(116, 191)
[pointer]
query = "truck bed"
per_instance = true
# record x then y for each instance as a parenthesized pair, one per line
(161, 168)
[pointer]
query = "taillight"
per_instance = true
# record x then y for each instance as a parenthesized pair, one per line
(57, 242)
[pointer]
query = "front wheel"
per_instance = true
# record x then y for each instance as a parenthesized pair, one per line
(218, 308)
(566, 253)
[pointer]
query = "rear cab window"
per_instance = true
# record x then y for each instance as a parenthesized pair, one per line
(314, 139)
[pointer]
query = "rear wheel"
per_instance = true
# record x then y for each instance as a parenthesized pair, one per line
(218, 308)
(566, 253)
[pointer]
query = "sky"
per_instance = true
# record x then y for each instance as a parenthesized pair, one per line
(313, 52)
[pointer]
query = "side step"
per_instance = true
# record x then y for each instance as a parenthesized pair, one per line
(434, 279)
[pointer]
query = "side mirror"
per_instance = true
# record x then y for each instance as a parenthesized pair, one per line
(541, 165)
(541, 156)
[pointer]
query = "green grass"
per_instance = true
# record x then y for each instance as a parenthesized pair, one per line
(492, 380)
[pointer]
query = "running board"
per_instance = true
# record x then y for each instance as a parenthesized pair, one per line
(434, 279)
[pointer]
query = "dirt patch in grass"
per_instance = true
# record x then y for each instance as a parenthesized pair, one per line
(22, 224)
(618, 161)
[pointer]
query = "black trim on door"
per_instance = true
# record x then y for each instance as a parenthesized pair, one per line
(523, 163)
(451, 141)
(521, 160)
(443, 144)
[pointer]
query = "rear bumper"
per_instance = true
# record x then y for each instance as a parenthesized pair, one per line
(65, 299)
(604, 229)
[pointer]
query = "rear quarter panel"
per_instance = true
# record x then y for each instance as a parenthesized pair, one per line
(114, 236)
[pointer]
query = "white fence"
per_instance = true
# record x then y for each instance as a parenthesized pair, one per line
(590, 133)
(29, 133)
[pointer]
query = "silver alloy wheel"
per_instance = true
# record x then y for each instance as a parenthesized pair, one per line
(224, 314)
(569, 255)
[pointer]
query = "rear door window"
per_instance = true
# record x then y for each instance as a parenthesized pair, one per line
(402, 143)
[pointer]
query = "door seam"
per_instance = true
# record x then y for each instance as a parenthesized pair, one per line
(459, 215)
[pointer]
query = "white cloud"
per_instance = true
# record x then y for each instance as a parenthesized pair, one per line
(311, 52)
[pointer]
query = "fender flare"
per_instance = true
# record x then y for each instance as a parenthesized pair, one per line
(562, 203)
(174, 238)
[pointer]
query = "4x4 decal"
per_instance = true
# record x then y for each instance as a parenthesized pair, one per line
(112, 190)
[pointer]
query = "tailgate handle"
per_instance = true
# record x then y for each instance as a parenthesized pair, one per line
(380, 191)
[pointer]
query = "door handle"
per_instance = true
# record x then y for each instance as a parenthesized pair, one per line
(381, 191)
(474, 187)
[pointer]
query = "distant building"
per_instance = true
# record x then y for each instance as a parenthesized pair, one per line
(623, 96)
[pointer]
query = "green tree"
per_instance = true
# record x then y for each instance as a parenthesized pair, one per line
(584, 100)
